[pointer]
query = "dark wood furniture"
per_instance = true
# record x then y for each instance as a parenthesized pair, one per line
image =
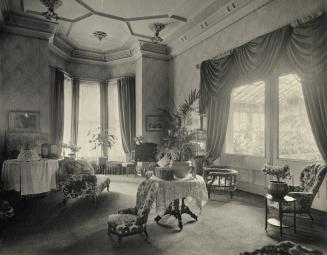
(176, 209)
(220, 178)
(279, 222)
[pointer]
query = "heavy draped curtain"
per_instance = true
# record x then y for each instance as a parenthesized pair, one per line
(126, 101)
(104, 111)
(305, 48)
(75, 112)
(57, 106)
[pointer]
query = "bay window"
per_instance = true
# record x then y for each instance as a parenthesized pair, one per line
(88, 118)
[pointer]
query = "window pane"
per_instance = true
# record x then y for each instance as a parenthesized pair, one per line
(68, 90)
(246, 125)
(117, 152)
(89, 118)
(295, 136)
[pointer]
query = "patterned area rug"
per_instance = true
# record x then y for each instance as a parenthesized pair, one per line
(284, 248)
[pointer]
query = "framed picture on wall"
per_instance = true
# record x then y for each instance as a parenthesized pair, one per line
(24, 121)
(154, 123)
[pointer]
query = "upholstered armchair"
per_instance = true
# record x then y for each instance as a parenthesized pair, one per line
(310, 180)
(132, 221)
(76, 179)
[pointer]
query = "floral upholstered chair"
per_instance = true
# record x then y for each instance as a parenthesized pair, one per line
(311, 178)
(76, 179)
(132, 221)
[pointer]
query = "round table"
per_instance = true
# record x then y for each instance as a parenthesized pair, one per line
(171, 196)
(279, 222)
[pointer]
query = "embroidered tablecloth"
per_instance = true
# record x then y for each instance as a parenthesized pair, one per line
(30, 177)
(188, 187)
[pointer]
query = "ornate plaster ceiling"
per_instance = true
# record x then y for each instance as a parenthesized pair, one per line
(124, 21)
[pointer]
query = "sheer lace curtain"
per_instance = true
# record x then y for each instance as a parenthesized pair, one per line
(89, 118)
(68, 106)
(117, 152)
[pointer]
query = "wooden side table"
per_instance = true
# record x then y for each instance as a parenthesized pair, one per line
(279, 222)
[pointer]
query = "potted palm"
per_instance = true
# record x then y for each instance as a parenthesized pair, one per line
(100, 138)
(176, 145)
(277, 188)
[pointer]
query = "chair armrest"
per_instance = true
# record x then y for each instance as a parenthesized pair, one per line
(300, 194)
(127, 211)
(292, 188)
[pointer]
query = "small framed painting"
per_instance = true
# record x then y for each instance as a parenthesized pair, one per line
(154, 123)
(24, 120)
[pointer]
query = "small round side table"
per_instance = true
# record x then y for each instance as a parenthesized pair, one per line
(279, 222)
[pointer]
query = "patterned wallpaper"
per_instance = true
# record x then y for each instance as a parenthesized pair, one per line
(155, 81)
(25, 78)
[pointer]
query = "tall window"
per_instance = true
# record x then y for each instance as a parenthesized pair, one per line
(68, 92)
(89, 118)
(117, 152)
(246, 125)
(295, 136)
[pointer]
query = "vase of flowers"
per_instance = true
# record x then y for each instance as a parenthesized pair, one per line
(277, 188)
(176, 143)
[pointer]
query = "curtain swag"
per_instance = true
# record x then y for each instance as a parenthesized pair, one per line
(305, 49)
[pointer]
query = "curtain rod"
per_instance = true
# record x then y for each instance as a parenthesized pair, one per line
(219, 56)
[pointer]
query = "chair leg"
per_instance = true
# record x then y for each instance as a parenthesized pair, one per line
(310, 215)
(120, 238)
(146, 233)
(64, 201)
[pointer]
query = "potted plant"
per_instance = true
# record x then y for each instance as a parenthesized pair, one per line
(278, 189)
(176, 143)
(101, 138)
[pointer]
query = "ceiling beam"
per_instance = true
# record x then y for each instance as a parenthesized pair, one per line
(162, 16)
(179, 18)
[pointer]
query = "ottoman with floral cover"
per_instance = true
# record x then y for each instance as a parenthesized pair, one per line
(131, 221)
(76, 179)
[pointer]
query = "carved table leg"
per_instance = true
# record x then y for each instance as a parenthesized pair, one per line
(186, 209)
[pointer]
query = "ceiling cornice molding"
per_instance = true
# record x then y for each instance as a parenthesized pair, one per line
(29, 26)
(150, 50)
(57, 51)
(219, 20)
(63, 45)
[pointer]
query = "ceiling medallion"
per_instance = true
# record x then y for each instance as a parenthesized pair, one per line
(100, 35)
(157, 28)
(51, 5)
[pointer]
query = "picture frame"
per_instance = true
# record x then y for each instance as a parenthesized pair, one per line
(24, 121)
(154, 123)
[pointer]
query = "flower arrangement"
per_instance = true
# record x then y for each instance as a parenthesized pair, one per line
(280, 172)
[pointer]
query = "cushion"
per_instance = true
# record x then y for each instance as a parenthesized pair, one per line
(71, 166)
(123, 224)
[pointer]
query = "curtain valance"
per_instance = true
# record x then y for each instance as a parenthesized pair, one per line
(304, 47)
